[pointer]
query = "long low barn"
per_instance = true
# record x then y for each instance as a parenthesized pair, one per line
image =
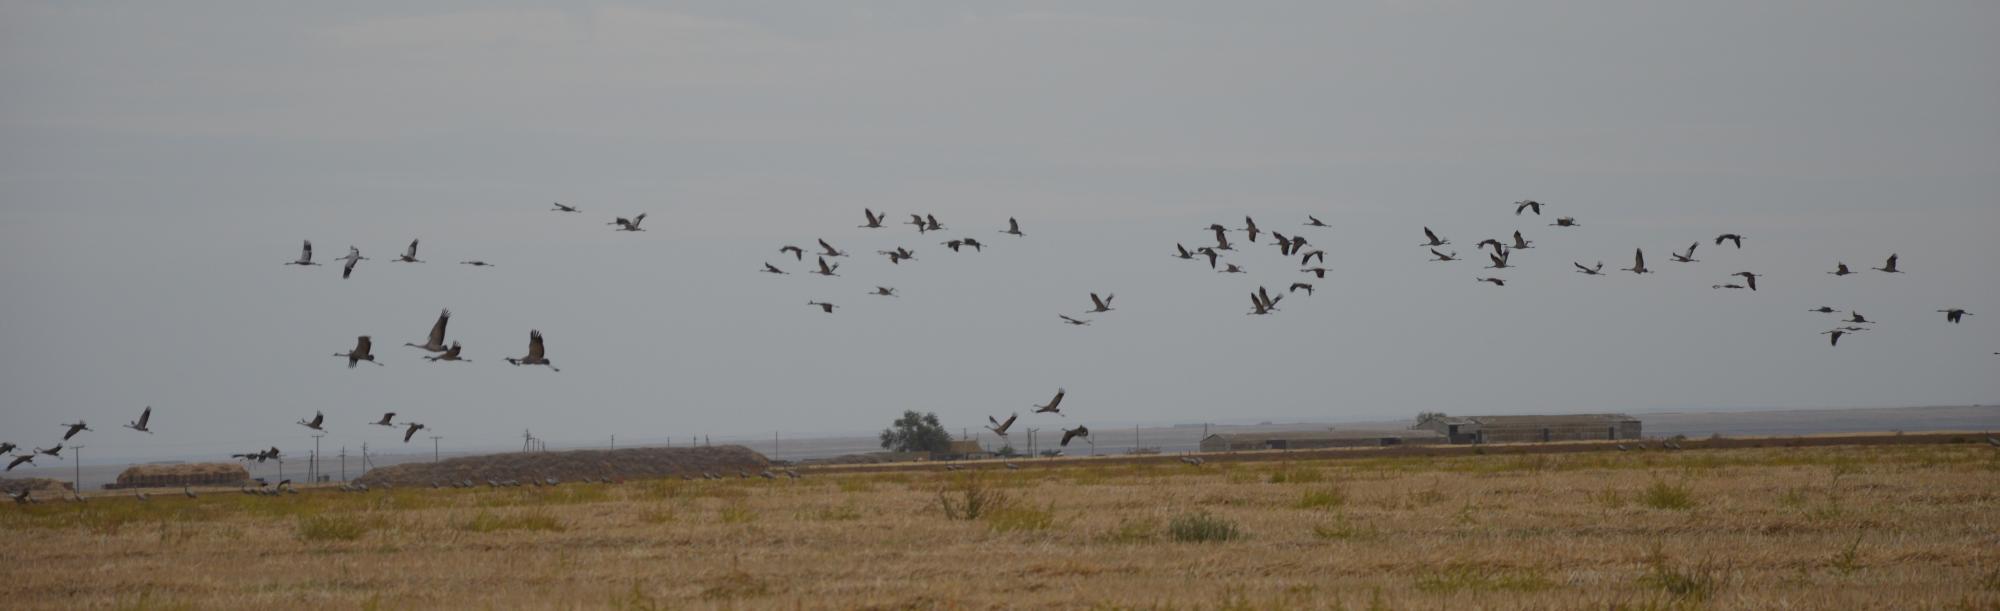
(167, 476)
(1303, 440)
(1518, 429)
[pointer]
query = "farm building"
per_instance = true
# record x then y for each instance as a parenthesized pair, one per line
(1302, 440)
(1516, 429)
(167, 476)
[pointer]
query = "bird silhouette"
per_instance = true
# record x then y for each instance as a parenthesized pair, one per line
(305, 255)
(412, 431)
(388, 419)
(476, 263)
(797, 253)
(1053, 407)
(825, 269)
(435, 342)
(1073, 321)
(1434, 240)
(1100, 305)
(1687, 257)
(874, 222)
(1313, 221)
(362, 351)
(317, 422)
(449, 354)
(772, 269)
(1565, 222)
(1840, 269)
(1527, 204)
(1074, 433)
(1589, 271)
(1836, 335)
(1320, 272)
(561, 208)
(1014, 228)
(884, 291)
(1301, 285)
(1638, 263)
(827, 250)
(410, 254)
(353, 257)
(1232, 268)
(999, 427)
(140, 425)
(1730, 237)
(823, 307)
(1953, 315)
(74, 428)
(535, 353)
(1494, 281)
(631, 224)
(1444, 257)
(1521, 243)
(1748, 279)
(1889, 267)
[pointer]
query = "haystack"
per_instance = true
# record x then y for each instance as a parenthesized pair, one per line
(197, 474)
(573, 465)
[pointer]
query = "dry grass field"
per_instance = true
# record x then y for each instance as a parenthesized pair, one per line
(1848, 527)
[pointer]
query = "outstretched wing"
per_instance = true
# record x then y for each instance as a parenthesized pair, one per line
(1097, 302)
(363, 344)
(1053, 403)
(1427, 233)
(1638, 258)
(145, 416)
(828, 247)
(306, 254)
(437, 330)
(534, 345)
(413, 249)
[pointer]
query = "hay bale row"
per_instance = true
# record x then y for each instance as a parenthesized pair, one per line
(193, 474)
(37, 484)
(573, 465)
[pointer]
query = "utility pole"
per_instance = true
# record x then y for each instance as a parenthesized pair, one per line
(77, 455)
(527, 439)
(614, 442)
(1135, 439)
(434, 447)
(343, 463)
(364, 459)
(1031, 442)
(312, 475)
(774, 444)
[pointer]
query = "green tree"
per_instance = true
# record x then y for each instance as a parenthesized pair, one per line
(916, 432)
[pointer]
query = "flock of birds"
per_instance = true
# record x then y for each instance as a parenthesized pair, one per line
(1222, 257)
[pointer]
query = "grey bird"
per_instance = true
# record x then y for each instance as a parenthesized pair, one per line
(1565, 222)
(318, 422)
(1301, 285)
(1100, 305)
(1000, 428)
(772, 269)
(1444, 257)
(631, 224)
(1312, 221)
(797, 253)
(825, 269)
(74, 428)
(1527, 204)
(827, 250)
(435, 342)
(1888, 267)
(535, 353)
(1014, 228)
(1521, 243)
(874, 221)
(1495, 281)
(1054, 406)
(353, 257)
(1954, 314)
(1434, 240)
(1589, 271)
(884, 291)
(823, 307)
(387, 420)
(145, 418)
(1840, 269)
(561, 208)
(1320, 272)
(1182, 252)
(1687, 257)
(1638, 263)
(1748, 278)
(1074, 433)
(412, 430)
(449, 354)
(476, 263)
(305, 255)
(363, 347)
(1729, 237)
(1073, 321)
(410, 254)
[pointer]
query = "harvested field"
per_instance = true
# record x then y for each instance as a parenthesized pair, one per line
(1815, 527)
(574, 465)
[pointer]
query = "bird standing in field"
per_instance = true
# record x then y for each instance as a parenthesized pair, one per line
(140, 425)
(305, 255)
(1889, 267)
(1638, 263)
(317, 423)
(410, 254)
(1054, 406)
(435, 343)
(1953, 315)
(535, 353)
(631, 224)
(353, 257)
(363, 351)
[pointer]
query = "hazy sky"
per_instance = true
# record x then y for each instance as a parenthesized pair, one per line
(158, 164)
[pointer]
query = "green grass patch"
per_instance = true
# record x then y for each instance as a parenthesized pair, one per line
(1202, 527)
(1663, 495)
(736, 513)
(333, 527)
(1326, 498)
(1022, 517)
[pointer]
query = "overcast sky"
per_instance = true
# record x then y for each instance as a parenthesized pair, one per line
(159, 162)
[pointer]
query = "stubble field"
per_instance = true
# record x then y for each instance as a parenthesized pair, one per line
(1843, 527)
